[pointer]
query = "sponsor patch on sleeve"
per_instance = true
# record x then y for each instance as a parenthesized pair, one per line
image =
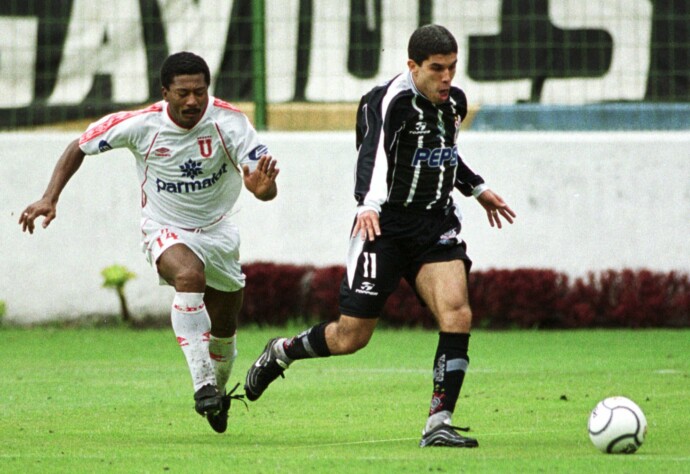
(104, 146)
(258, 152)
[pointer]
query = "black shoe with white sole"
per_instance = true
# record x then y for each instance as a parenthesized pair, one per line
(219, 421)
(207, 400)
(448, 436)
(265, 370)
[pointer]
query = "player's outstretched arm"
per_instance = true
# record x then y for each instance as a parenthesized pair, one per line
(262, 181)
(67, 165)
(495, 207)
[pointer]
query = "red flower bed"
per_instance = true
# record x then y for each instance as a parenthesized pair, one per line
(629, 298)
(323, 290)
(521, 298)
(273, 293)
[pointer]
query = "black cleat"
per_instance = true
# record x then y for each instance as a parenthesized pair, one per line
(265, 370)
(446, 435)
(207, 400)
(219, 421)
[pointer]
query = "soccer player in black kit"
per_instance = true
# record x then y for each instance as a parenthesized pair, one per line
(407, 226)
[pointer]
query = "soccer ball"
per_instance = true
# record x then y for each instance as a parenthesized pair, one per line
(617, 425)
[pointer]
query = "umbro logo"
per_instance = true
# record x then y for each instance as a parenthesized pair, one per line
(162, 152)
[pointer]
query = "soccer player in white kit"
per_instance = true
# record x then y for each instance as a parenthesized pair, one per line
(193, 152)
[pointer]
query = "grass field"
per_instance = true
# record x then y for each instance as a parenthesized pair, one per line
(118, 400)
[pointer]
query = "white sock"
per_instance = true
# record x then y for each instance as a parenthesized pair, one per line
(192, 327)
(223, 351)
(442, 417)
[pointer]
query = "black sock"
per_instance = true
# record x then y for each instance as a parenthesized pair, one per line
(308, 344)
(450, 365)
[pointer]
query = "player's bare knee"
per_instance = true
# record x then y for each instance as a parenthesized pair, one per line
(455, 320)
(464, 313)
(190, 280)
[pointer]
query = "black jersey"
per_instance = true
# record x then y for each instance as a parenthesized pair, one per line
(408, 156)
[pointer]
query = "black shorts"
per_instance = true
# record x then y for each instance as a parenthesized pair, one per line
(408, 240)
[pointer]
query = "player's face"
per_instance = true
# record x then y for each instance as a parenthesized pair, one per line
(187, 99)
(433, 77)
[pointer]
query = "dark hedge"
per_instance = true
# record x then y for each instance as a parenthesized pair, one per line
(522, 298)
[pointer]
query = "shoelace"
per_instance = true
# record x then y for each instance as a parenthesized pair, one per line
(230, 395)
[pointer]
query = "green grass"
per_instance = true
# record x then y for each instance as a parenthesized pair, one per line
(117, 400)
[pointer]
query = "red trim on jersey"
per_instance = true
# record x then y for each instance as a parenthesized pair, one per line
(115, 119)
(225, 149)
(225, 105)
(146, 171)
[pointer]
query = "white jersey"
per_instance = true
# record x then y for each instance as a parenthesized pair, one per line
(189, 178)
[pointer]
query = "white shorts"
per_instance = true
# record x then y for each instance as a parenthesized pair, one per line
(217, 246)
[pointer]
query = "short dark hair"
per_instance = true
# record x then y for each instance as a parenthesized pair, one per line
(428, 40)
(183, 63)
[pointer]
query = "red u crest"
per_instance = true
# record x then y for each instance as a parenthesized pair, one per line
(204, 146)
